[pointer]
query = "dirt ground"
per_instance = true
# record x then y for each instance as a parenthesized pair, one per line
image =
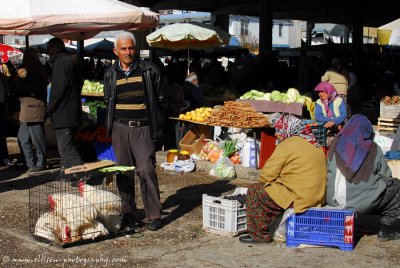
(180, 243)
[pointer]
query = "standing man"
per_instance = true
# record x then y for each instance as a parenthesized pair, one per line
(136, 103)
(65, 101)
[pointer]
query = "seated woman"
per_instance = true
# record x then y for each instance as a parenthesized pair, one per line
(294, 176)
(359, 177)
(330, 108)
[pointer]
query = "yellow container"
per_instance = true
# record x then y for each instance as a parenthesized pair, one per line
(184, 155)
(171, 155)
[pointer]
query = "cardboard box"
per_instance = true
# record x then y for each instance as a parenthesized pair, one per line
(192, 142)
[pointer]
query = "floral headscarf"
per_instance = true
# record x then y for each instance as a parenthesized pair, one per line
(288, 125)
(332, 94)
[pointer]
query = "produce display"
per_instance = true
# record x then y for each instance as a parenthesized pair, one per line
(236, 114)
(395, 100)
(212, 151)
(198, 115)
(291, 96)
(90, 87)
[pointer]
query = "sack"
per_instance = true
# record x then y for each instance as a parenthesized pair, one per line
(223, 169)
(248, 153)
(32, 110)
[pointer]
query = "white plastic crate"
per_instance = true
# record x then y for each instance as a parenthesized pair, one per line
(223, 216)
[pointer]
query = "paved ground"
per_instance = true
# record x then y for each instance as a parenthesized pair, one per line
(181, 243)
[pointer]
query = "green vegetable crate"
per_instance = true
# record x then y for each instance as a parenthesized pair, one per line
(224, 217)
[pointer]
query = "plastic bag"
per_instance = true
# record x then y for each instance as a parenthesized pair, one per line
(223, 169)
(280, 233)
(180, 165)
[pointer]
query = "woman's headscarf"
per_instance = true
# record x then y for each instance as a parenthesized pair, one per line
(332, 94)
(354, 149)
(288, 125)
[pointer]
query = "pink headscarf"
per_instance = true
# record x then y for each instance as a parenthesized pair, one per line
(332, 94)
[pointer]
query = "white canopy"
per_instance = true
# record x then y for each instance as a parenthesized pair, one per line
(72, 19)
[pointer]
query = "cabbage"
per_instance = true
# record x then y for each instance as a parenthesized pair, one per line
(247, 95)
(285, 98)
(267, 96)
(292, 94)
(257, 93)
(301, 99)
(275, 95)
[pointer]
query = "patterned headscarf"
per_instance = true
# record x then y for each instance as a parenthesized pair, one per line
(354, 149)
(288, 125)
(332, 94)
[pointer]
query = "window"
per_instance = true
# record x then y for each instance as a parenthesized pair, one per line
(244, 27)
(280, 29)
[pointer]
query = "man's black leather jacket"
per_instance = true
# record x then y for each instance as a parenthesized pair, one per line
(155, 98)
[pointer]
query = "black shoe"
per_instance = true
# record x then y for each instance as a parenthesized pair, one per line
(154, 225)
(387, 233)
(36, 169)
(248, 239)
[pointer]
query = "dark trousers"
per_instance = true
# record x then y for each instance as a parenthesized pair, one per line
(133, 147)
(33, 133)
(3, 142)
(66, 148)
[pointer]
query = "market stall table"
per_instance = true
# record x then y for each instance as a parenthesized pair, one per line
(183, 123)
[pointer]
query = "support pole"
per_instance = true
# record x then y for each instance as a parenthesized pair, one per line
(266, 23)
(310, 27)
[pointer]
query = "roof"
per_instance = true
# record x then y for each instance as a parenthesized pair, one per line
(374, 12)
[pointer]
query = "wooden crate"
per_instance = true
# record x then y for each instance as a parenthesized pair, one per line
(389, 111)
(388, 124)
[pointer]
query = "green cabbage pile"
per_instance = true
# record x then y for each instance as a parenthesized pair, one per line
(291, 96)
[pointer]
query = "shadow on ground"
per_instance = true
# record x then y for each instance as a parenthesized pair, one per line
(188, 198)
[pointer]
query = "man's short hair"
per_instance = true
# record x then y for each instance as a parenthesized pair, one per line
(55, 45)
(124, 35)
(191, 77)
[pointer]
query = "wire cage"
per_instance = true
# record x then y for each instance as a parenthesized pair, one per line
(74, 209)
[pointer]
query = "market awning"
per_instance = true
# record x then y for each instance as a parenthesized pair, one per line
(72, 19)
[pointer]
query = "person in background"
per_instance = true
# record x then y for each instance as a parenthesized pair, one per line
(294, 176)
(4, 75)
(338, 76)
(360, 179)
(330, 108)
(65, 106)
(31, 86)
(136, 103)
(193, 93)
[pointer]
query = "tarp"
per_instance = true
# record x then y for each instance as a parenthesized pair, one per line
(72, 19)
(389, 34)
(102, 49)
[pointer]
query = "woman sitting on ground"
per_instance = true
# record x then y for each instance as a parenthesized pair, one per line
(359, 177)
(330, 108)
(294, 176)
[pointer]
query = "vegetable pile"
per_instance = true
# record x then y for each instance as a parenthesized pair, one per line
(92, 87)
(199, 115)
(395, 100)
(291, 96)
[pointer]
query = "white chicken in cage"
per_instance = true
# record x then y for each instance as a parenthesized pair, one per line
(94, 230)
(74, 209)
(53, 228)
(107, 203)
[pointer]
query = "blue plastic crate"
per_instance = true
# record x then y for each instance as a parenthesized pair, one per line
(104, 151)
(322, 227)
(318, 130)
